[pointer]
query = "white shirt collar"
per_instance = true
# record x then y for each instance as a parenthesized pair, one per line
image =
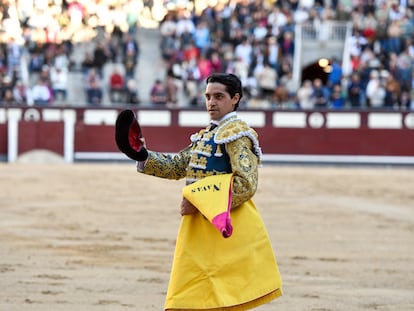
(227, 116)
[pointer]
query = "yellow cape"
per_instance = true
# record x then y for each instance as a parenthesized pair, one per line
(212, 196)
(213, 273)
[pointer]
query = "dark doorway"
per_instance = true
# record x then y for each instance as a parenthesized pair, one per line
(315, 70)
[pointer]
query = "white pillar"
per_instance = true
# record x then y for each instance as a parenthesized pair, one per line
(69, 119)
(297, 57)
(13, 117)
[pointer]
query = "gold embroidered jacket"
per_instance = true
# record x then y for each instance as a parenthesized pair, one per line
(232, 147)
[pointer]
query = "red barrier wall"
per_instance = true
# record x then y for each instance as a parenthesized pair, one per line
(40, 135)
(351, 133)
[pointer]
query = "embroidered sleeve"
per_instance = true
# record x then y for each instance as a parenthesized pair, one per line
(167, 165)
(244, 165)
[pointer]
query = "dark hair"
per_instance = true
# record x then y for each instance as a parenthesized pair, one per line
(231, 81)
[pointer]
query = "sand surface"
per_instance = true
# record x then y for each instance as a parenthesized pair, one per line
(91, 237)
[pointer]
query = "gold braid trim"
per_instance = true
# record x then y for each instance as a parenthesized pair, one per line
(168, 166)
(244, 164)
(233, 129)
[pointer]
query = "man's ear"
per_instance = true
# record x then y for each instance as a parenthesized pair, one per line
(236, 98)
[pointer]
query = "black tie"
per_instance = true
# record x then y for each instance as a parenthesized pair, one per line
(212, 127)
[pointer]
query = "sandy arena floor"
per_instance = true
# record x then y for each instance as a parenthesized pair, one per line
(92, 237)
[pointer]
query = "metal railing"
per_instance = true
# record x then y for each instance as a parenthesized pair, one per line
(325, 31)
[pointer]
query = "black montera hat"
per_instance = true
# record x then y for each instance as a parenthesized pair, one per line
(128, 136)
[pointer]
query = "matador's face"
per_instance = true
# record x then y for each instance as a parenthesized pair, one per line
(218, 100)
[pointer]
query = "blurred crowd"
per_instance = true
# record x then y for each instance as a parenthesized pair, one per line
(37, 43)
(254, 39)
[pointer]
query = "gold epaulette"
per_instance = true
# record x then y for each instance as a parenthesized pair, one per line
(235, 128)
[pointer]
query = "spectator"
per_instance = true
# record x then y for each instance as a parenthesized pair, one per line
(191, 78)
(304, 95)
(168, 26)
(87, 63)
(36, 62)
(8, 97)
(158, 93)
(394, 33)
(3, 60)
(41, 93)
(129, 64)
(343, 13)
(61, 59)
(185, 38)
(244, 51)
(381, 33)
(204, 66)
(281, 97)
(396, 12)
(320, 94)
(276, 19)
(21, 93)
(355, 89)
(131, 49)
(287, 45)
(5, 86)
(44, 75)
(190, 52)
(369, 26)
(100, 57)
(169, 47)
(201, 36)
(272, 52)
(375, 91)
(216, 63)
(357, 42)
(91, 77)
(59, 82)
(335, 76)
(404, 101)
(132, 96)
(14, 55)
(171, 89)
(288, 83)
(94, 93)
(301, 15)
(337, 98)
(184, 25)
(241, 69)
(266, 78)
(404, 66)
(116, 86)
(407, 28)
(260, 30)
(392, 91)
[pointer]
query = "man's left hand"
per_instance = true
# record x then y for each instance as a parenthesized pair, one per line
(187, 208)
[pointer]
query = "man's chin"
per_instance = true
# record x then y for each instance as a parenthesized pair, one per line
(213, 115)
